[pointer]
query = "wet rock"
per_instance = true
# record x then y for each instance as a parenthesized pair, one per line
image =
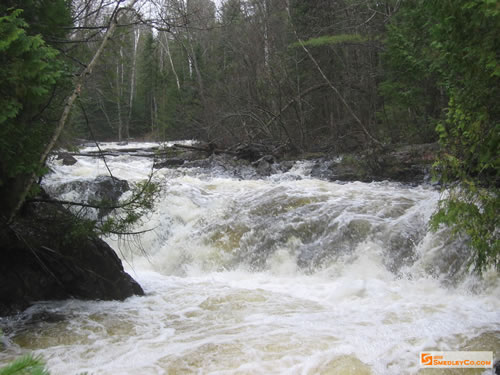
(192, 155)
(201, 163)
(67, 159)
(251, 152)
(169, 163)
(224, 165)
(345, 169)
(320, 169)
(103, 189)
(47, 256)
(188, 159)
(406, 164)
(264, 166)
(338, 170)
(286, 165)
(109, 188)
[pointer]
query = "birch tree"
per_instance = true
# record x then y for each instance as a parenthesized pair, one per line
(70, 101)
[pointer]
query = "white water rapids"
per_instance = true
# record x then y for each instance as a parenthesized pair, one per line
(280, 275)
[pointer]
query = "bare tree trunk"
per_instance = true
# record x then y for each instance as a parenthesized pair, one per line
(192, 59)
(118, 102)
(199, 79)
(103, 108)
(167, 50)
(266, 33)
(132, 80)
(154, 114)
(264, 9)
(69, 105)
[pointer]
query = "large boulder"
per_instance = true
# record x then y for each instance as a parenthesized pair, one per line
(103, 190)
(47, 254)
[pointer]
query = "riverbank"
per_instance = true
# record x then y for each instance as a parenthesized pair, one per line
(47, 254)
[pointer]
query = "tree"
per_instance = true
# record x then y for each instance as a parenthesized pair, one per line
(146, 108)
(22, 166)
(30, 72)
(466, 42)
(412, 90)
(25, 365)
(440, 50)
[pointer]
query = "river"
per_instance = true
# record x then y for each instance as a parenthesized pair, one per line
(279, 275)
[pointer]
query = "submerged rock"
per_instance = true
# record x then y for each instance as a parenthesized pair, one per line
(48, 255)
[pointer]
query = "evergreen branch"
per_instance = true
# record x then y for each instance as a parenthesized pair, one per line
(25, 364)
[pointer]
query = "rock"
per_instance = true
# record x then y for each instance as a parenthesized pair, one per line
(286, 165)
(104, 189)
(264, 166)
(66, 158)
(346, 169)
(169, 163)
(47, 256)
(175, 157)
(109, 189)
(251, 152)
(406, 164)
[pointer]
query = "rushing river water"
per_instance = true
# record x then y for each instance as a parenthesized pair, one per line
(281, 275)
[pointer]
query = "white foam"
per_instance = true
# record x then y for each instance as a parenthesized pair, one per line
(274, 276)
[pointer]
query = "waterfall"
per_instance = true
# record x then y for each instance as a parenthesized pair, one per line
(285, 274)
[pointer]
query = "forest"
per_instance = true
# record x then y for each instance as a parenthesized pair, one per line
(315, 275)
(302, 76)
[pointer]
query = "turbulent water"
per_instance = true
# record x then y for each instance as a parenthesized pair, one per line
(280, 275)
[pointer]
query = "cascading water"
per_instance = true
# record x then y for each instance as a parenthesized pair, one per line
(286, 274)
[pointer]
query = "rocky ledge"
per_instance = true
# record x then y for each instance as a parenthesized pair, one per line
(48, 255)
(409, 164)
